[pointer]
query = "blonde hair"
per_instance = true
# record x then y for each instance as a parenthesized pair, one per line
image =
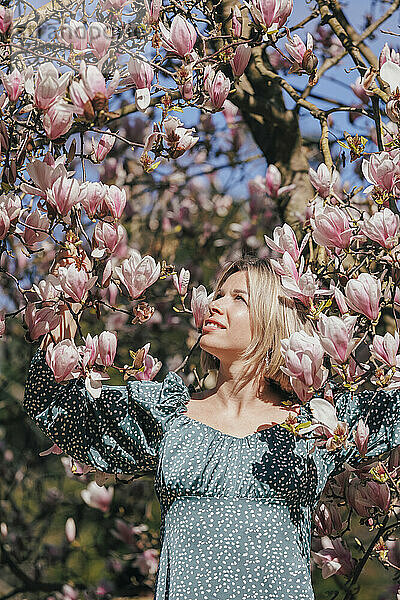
(273, 317)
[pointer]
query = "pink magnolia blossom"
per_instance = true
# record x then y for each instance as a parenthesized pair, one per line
(114, 5)
(6, 18)
(126, 532)
(287, 267)
(73, 34)
(40, 321)
(236, 25)
(89, 352)
(91, 196)
(141, 74)
(115, 200)
(383, 227)
(63, 359)
(178, 138)
(47, 86)
(95, 84)
(334, 558)
(93, 384)
(44, 175)
(181, 283)
(340, 301)
(285, 241)
(101, 148)
(36, 228)
(11, 204)
(378, 494)
(361, 437)
(181, 38)
(200, 305)
(230, 112)
(137, 273)
(355, 370)
(107, 238)
(331, 228)
(304, 58)
(324, 180)
(271, 185)
(152, 11)
(218, 90)
(273, 180)
(364, 497)
(336, 336)
(381, 170)
(360, 91)
(327, 519)
(363, 295)
(107, 347)
(385, 348)
(388, 55)
(4, 222)
(185, 81)
(270, 12)
(327, 430)
(151, 366)
(68, 593)
(57, 120)
(70, 530)
(74, 282)
(303, 286)
(390, 72)
(323, 521)
(98, 497)
(81, 103)
(304, 356)
(13, 84)
(99, 38)
(240, 59)
(147, 562)
(107, 273)
(46, 290)
(63, 195)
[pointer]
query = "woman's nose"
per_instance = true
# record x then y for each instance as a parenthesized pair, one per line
(214, 308)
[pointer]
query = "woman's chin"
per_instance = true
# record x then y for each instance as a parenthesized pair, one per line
(207, 347)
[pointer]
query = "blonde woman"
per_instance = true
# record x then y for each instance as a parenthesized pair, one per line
(236, 488)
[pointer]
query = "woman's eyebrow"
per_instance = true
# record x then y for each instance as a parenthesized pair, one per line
(235, 291)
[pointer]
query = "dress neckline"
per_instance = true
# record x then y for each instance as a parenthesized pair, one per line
(228, 435)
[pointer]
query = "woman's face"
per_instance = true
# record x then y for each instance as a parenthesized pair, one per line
(230, 310)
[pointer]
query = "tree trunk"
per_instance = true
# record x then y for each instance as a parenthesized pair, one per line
(275, 129)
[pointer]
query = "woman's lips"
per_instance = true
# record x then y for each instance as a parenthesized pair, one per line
(212, 327)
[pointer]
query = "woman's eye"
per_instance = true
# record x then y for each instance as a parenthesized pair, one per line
(241, 297)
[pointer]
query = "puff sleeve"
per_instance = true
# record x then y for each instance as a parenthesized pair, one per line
(380, 410)
(120, 432)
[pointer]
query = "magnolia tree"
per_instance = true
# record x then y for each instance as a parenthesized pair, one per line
(125, 128)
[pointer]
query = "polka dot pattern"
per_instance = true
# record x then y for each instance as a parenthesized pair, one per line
(236, 513)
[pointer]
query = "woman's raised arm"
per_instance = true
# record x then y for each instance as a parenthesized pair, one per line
(119, 432)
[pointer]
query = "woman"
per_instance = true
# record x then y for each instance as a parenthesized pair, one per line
(236, 489)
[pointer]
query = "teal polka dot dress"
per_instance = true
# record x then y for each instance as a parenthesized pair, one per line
(236, 513)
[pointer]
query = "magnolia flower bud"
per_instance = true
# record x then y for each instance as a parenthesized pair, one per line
(70, 530)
